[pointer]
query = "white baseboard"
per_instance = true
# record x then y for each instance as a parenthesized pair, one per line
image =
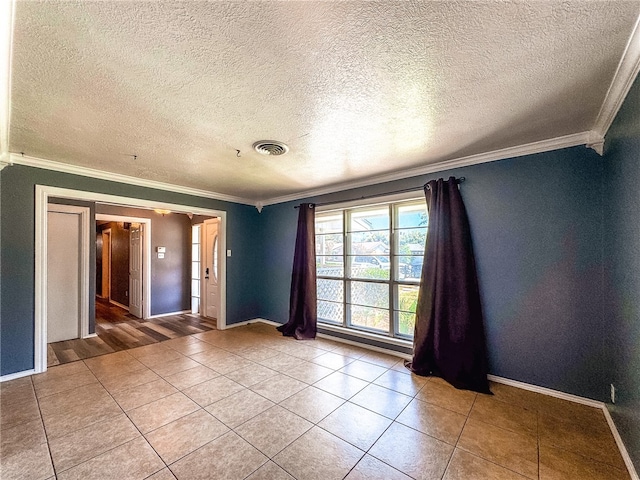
(91, 335)
(623, 450)
(13, 376)
(159, 315)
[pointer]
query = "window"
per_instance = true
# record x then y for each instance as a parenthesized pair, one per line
(195, 269)
(368, 265)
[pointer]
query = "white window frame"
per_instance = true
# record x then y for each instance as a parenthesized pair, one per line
(392, 334)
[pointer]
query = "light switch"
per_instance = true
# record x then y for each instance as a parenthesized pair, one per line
(161, 255)
(228, 253)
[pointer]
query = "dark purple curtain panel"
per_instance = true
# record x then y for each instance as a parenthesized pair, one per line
(449, 339)
(303, 313)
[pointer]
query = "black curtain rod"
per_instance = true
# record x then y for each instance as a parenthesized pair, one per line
(395, 192)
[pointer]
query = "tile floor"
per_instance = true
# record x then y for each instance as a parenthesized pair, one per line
(248, 403)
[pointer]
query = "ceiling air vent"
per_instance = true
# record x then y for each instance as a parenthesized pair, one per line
(270, 147)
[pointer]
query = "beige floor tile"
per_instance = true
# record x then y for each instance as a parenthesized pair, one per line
(18, 413)
(210, 355)
(515, 451)
(236, 409)
(161, 358)
(251, 374)
(19, 438)
(142, 394)
(189, 347)
(370, 468)
(278, 388)
(238, 461)
(181, 437)
(270, 471)
(379, 358)
(16, 391)
(312, 403)
(61, 383)
(34, 464)
(96, 407)
(504, 415)
(319, 455)
(559, 464)
(515, 396)
(211, 391)
(14, 386)
(381, 400)
(132, 460)
(400, 382)
(308, 372)
(444, 395)
(117, 381)
(161, 412)
(341, 385)
(256, 353)
(113, 364)
(229, 364)
(86, 443)
(413, 453)
(465, 466)
(582, 415)
(273, 430)
(281, 362)
(59, 371)
(591, 441)
(433, 420)
(174, 366)
(363, 370)
(335, 361)
(164, 474)
(356, 425)
(191, 377)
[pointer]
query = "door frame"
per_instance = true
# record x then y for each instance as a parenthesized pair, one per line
(85, 228)
(42, 194)
(146, 257)
(203, 286)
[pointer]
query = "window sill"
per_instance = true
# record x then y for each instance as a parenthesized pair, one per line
(366, 335)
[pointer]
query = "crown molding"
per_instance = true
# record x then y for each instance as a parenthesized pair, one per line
(527, 149)
(19, 159)
(623, 79)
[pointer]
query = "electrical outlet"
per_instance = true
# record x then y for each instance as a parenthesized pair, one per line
(613, 393)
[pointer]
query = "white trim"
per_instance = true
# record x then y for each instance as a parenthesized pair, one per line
(366, 335)
(623, 449)
(13, 376)
(159, 315)
(146, 257)
(546, 391)
(510, 152)
(246, 322)
(85, 228)
(7, 17)
(26, 160)
(91, 335)
(42, 194)
(623, 79)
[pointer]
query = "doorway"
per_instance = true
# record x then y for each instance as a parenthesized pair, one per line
(210, 266)
(42, 194)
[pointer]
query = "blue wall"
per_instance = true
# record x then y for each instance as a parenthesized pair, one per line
(622, 275)
(537, 238)
(17, 264)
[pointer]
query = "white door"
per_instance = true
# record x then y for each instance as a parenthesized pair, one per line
(135, 269)
(64, 272)
(211, 268)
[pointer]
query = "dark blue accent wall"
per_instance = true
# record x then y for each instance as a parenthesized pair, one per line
(537, 238)
(622, 275)
(17, 263)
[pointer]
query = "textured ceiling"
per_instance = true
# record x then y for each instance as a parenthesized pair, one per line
(356, 89)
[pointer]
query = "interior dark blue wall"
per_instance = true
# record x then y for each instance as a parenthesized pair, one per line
(622, 275)
(17, 191)
(537, 238)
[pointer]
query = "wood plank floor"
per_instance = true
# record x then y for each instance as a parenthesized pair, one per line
(118, 330)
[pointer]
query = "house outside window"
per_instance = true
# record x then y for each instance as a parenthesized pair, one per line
(368, 265)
